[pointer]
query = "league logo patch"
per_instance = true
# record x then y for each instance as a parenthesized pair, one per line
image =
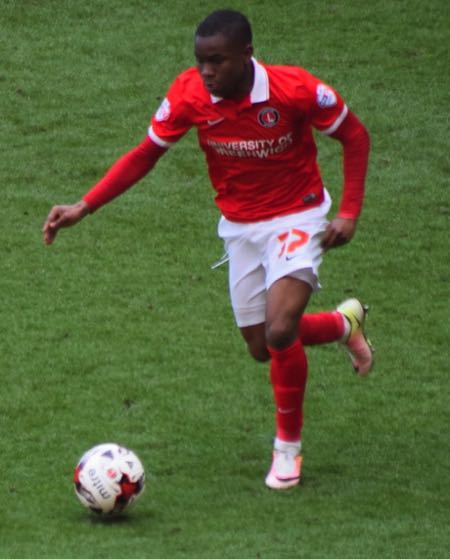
(325, 96)
(163, 112)
(268, 117)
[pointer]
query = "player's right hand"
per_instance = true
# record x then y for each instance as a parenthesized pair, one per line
(63, 216)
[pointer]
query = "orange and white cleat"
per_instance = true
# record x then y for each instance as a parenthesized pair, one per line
(286, 465)
(357, 345)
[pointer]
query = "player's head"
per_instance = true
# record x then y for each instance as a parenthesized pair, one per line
(234, 25)
(223, 50)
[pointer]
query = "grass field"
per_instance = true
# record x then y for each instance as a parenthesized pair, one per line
(120, 332)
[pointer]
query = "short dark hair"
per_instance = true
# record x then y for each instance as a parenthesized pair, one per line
(230, 23)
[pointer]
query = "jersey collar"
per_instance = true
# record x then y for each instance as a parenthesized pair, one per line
(260, 89)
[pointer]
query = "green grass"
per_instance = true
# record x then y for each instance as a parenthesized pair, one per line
(120, 331)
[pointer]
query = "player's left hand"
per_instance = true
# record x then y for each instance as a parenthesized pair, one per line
(339, 232)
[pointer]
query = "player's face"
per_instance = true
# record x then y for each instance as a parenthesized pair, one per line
(224, 66)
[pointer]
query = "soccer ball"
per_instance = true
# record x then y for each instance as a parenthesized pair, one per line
(108, 478)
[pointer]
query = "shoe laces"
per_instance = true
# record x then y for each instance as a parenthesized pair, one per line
(284, 461)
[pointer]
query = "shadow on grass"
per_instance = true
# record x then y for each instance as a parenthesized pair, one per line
(131, 519)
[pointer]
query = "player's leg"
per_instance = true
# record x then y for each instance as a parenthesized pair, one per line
(345, 325)
(314, 329)
(248, 292)
(292, 257)
(322, 327)
(286, 301)
(247, 285)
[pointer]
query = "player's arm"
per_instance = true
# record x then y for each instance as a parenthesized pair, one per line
(124, 173)
(330, 115)
(353, 136)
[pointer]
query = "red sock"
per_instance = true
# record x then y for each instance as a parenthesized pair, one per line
(321, 328)
(288, 373)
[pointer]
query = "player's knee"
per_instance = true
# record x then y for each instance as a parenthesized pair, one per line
(280, 334)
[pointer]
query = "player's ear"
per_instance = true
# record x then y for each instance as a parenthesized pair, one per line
(248, 51)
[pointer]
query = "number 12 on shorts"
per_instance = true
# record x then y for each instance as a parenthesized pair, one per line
(291, 241)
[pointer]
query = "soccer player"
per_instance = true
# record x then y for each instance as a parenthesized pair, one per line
(254, 124)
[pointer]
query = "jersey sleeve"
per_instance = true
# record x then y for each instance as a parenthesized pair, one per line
(171, 121)
(326, 108)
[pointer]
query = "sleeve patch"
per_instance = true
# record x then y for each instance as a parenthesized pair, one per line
(163, 112)
(325, 96)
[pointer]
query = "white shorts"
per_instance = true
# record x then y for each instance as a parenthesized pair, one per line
(262, 252)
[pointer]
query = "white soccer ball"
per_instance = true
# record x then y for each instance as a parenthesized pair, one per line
(108, 478)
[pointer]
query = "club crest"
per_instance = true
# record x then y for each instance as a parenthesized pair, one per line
(268, 117)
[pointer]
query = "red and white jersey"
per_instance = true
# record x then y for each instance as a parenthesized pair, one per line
(260, 150)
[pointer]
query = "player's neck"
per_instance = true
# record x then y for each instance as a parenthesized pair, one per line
(245, 86)
(249, 78)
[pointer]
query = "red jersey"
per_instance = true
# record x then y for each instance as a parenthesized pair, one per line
(260, 150)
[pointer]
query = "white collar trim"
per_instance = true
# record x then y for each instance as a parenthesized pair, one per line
(260, 89)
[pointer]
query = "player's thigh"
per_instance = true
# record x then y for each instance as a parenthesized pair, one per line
(287, 299)
(292, 256)
(247, 282)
